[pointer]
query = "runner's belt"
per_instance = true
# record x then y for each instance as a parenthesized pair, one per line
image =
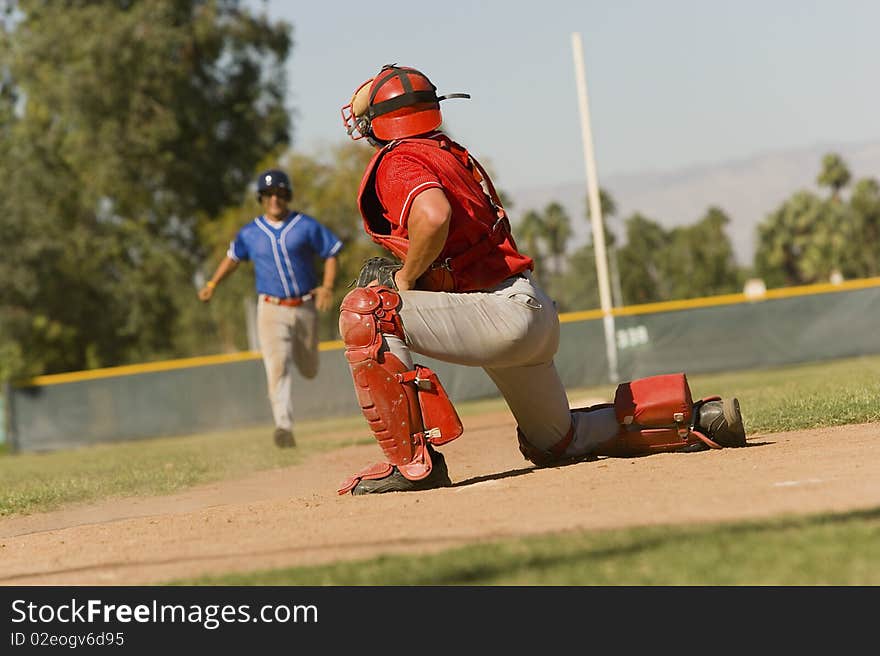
(286, 302)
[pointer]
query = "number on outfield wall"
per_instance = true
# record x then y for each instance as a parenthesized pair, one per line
(629, 337)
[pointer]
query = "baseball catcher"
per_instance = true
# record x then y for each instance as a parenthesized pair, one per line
(460, 290)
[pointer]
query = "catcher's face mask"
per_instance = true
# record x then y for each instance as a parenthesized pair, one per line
(354, 114)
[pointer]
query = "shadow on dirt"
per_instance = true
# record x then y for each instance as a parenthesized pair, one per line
(494, 477)
(512, 473)
(520, 472)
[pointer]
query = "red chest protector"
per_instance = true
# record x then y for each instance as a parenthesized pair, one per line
(480, 251)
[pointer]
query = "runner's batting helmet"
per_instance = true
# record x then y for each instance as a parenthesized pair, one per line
(399, 102)
(273, 179)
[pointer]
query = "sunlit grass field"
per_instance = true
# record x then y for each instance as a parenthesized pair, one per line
(816, 550)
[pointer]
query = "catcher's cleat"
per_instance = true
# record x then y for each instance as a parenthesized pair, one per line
(721, 422)
(284, 438)
(397, 482)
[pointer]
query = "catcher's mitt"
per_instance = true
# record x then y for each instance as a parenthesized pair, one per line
(378, 271)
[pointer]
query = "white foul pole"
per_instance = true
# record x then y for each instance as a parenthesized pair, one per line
(595, 209)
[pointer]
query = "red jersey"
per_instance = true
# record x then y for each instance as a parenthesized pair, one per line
(480, 251)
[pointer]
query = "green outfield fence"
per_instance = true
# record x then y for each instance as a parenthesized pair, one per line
(704, 335)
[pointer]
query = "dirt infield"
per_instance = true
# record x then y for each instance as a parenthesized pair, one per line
(294, 517)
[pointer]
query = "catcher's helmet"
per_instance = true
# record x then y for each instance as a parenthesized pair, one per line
(273, 179)
(399, 102)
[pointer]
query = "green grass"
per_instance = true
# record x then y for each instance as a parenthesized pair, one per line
(786, 398)
(817, 550)
(35, 482)
(831, 393)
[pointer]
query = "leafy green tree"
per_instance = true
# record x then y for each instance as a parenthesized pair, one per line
(530, 233)
(557, 226)
(655, 264)
(580, 287)
(807, 238)
(642, 261)
(865, 204)
(166, 104)
(804, 240)
(700, 260)
(544, 236)
(834, 174)
(127, 124)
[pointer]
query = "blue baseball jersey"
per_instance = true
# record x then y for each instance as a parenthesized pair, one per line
(284, 257)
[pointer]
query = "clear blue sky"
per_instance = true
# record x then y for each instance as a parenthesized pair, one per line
(672, 83)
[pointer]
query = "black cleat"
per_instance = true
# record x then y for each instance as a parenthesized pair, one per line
(721, 422)
(397, 482)
(284, 438)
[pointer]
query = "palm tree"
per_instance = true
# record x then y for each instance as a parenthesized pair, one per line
(533, 232)
(558, 232)
(835, 175)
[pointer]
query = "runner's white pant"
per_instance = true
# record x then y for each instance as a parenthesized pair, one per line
(288, 336)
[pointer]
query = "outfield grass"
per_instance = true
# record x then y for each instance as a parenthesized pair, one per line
(816, 550)
(832, 393)
(779, 399)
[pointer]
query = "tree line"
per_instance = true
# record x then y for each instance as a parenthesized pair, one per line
(808, 238)
(130, 135)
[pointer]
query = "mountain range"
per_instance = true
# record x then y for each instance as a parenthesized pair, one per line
(746, 189)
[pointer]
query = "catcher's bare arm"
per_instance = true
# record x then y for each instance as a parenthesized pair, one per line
(428, 226)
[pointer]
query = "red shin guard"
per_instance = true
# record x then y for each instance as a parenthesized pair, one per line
(656, 415)
(405, 409)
